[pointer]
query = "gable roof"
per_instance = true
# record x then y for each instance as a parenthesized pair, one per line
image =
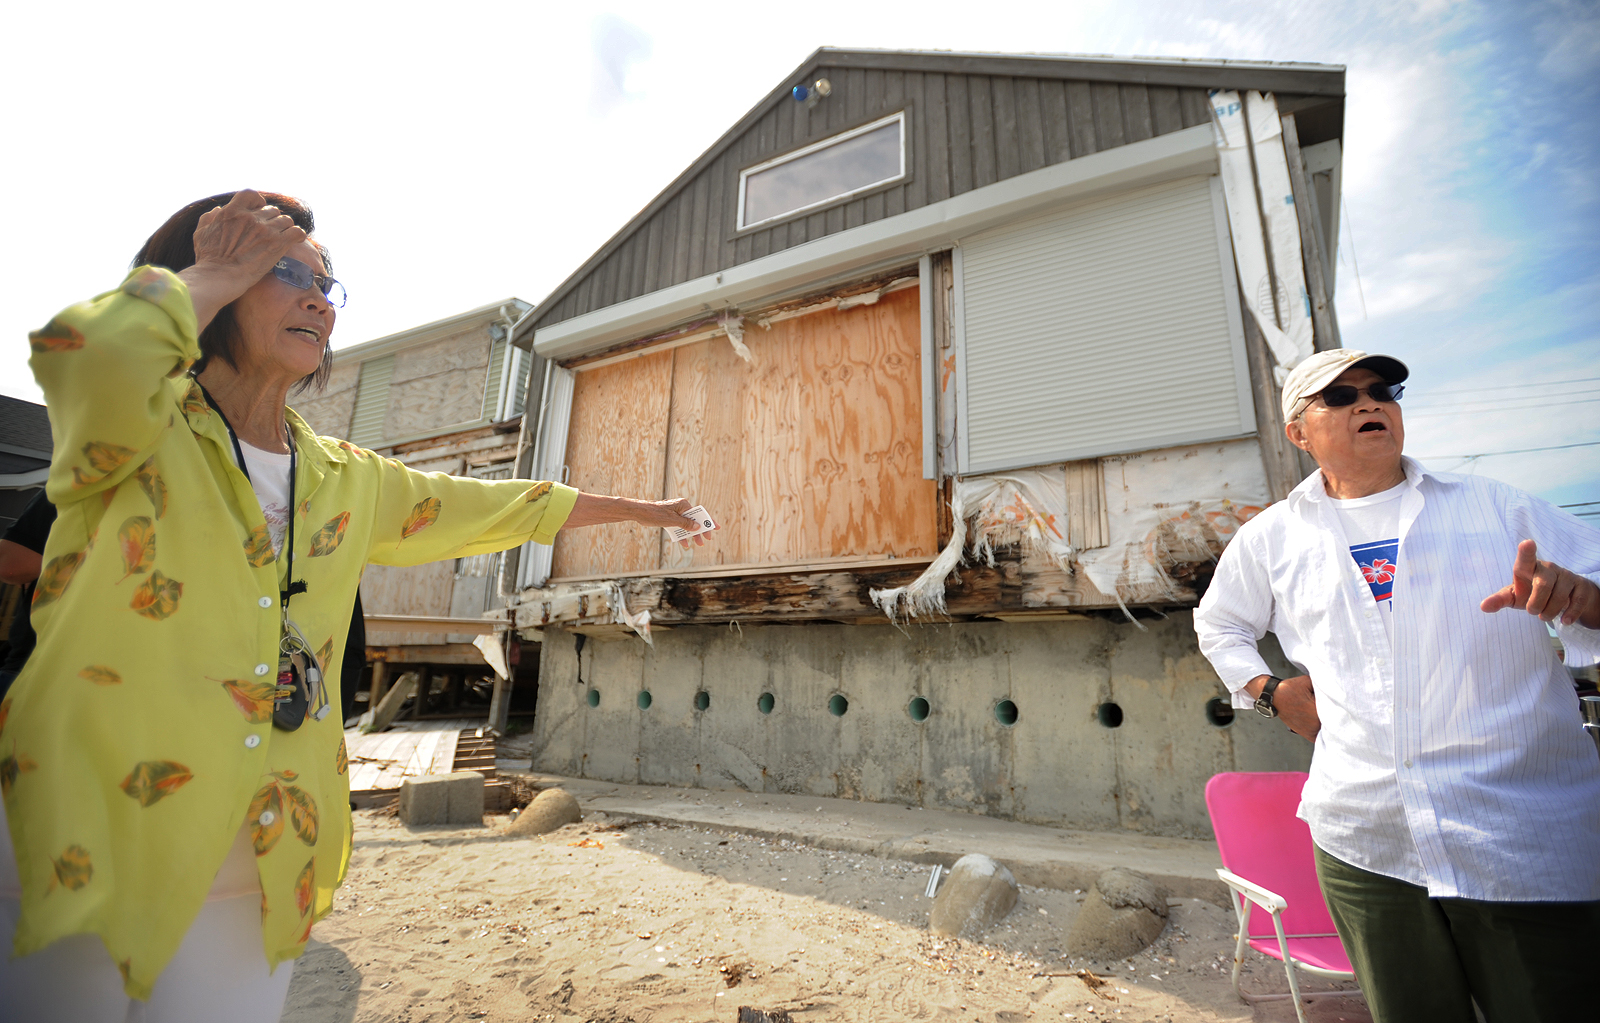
(973, 119)
(24, 428)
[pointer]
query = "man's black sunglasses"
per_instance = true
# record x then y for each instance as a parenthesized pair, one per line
(1340, 395)
(297, 275)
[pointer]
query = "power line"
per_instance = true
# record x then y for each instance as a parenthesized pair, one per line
(1491, 409)
(1580, 504)
(1518, 451)
(1501, 387)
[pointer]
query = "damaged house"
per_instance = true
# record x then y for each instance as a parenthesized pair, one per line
(975, 359)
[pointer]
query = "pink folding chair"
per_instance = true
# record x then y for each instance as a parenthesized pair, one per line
(1267, 861)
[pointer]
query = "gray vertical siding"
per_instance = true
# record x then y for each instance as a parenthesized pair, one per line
(967, 131)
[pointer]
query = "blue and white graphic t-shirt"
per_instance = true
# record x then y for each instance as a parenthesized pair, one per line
(1372, 526)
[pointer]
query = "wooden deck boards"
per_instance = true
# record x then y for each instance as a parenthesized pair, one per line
(380, 761)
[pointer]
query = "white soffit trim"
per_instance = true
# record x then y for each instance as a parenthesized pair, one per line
(1178, 154)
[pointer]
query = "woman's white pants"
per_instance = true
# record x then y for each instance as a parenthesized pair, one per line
(219, 974)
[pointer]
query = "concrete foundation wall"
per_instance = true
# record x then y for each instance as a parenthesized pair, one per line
(1058, 764)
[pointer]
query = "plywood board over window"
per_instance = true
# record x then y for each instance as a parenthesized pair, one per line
(616, 445)
(811, 451)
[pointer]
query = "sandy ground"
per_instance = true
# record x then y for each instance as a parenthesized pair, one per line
(598, 923)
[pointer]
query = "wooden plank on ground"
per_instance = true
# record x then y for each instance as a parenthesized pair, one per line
(384, 713)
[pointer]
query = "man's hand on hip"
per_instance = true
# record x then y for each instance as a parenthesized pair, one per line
(1547, 590)
(1295, 701)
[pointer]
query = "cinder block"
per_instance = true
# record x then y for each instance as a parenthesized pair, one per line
(442, 799)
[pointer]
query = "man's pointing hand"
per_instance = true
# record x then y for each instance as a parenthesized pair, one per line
(1547, 590)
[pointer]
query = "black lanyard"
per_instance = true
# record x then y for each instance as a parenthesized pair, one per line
(292, 587)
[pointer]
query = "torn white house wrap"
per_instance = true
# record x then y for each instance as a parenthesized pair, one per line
(1262, 221)
(733, 326)
(1168, 510)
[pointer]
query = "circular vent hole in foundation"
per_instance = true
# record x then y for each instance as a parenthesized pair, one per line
(1005, 712)
(593, 697)
(918, 708)
(837, 705)
(766, 703)
(702, 700)
(1109, 714)
(1219, 712)
(644, 699)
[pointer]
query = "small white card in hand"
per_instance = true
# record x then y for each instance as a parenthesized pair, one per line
(702, 523)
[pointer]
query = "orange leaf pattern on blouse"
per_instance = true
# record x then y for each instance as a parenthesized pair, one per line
(137, 540)
(258, 547)
(101, 675)
(179, 368)
(151, 781)
(104, 459)
(254, 699)
(303, 816)
(149, 284)
(55, 577)
(537, 491)
(125, 968)
(10, 767)
(55, 336)
(304, 886)
(425, 514)
(157, 597)
(327, 539)
(5, 712)
(74, 869)
(265, 830)
(154, 487)
(194, 401)
(341, 759)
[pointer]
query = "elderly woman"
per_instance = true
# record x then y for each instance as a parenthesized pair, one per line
(175, 790)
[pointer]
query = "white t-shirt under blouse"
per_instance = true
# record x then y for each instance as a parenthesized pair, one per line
(269, 477)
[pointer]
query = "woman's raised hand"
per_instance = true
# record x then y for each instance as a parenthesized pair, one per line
(234, 247)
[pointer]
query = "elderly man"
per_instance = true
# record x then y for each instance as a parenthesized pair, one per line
(1454, 799)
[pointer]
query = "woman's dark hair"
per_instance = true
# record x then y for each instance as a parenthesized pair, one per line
(172, 246)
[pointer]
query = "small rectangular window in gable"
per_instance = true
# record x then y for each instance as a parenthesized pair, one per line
(824, 172)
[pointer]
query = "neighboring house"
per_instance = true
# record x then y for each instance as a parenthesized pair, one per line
(25, 447)
(443, 397)
(916, 307)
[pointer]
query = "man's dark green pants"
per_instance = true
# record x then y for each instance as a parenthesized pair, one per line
(1424, 960)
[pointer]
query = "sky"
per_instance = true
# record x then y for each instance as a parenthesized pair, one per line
(460, 154)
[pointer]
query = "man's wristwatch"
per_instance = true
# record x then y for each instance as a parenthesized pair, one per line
(1264, 705)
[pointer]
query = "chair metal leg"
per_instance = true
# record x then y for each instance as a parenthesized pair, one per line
(1241, 909)
(1288, 967)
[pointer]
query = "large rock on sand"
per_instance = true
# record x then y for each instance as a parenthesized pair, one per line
(549, 810)
(976, 896)
(1122, 914)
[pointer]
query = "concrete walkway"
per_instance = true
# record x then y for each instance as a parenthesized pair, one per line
(1037, 855)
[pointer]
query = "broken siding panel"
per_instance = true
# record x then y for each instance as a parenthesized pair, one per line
(616, 445)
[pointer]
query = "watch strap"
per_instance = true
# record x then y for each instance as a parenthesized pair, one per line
(1264, 705)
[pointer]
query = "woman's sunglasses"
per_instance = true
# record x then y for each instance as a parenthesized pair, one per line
(297, 275)
(1340, 395)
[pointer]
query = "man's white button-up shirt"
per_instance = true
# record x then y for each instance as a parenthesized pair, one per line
(1453, 758)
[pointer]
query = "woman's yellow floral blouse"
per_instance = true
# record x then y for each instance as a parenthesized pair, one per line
(139, 739)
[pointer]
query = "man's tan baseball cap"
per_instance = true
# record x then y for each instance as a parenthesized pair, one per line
(1308, 378)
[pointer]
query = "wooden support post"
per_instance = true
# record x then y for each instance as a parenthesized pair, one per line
(386, 711)
(1281, 459)
(1324, 322)
(380, 683)
(499, 706)
(424, 686)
